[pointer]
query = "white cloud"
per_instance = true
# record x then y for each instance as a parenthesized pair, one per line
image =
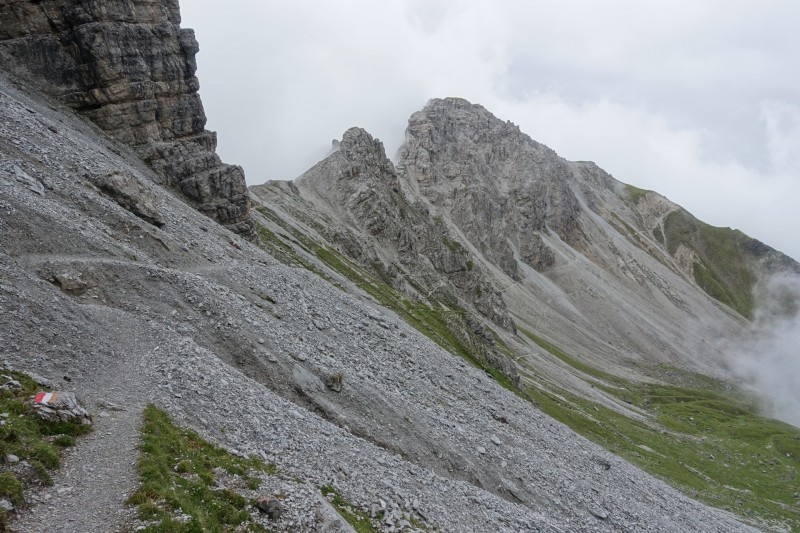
(782, 121)
(768, 360)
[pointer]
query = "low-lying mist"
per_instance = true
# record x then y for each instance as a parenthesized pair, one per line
(768, 359)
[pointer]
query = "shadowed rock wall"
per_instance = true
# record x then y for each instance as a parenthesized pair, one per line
(129, 67)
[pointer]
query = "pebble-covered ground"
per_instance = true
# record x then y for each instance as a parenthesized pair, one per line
(240, 348)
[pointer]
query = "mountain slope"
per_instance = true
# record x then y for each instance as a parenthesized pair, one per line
(478, 208)
(616, 294)
(239, 347)
(541, 273)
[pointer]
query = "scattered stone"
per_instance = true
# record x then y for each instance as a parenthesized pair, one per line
(9, 383)
(71, 283)
(31, 183)
(126, 190)
(105, 404)
(335, 381)
(500, 417)
(6, 505)
(271, 506)
(306, 380)
(60, 406)
(12, 459)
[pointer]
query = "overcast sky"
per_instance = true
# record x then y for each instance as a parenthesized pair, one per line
(699, 101)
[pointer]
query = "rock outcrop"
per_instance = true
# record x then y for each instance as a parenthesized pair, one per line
(501, 188)
(381, 224)
(130, 68)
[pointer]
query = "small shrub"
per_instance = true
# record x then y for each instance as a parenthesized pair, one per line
(65, 441)
(10, 488)
(46, 454)
(42, 473)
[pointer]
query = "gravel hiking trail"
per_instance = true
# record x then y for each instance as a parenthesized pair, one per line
(98, 474)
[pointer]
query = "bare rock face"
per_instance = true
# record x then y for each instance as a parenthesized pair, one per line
(361, 183)
(500, 187)
(130, 68)
(129, 194)
(381, 224)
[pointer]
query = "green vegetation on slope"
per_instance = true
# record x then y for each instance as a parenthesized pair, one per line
(177, 475)
(360, 521)
(722, 269)
(571, 361)
(635, 193)
(356, 518)
(30, 438)
(704, 441)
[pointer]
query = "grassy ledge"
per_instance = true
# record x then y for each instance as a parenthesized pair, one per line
(706, 441)
(358, 519)
(635, 193)
(35, 442)
(722, 268)
(177, 471)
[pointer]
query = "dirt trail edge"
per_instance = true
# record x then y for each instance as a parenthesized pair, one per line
(98, 475)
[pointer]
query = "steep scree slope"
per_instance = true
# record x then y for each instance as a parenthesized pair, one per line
(238, 346)
(596, 267)
(130, 68)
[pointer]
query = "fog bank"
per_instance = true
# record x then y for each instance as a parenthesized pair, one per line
(768, 360)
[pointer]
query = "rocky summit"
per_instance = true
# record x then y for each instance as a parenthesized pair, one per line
(482, 337)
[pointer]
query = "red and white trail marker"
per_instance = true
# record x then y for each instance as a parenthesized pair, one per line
(45, 397)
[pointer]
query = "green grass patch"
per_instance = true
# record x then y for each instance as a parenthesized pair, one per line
(355, 517)
(65, 441)
(635, 193)
(722, 269)
(177, 477)
(10, 488)
(284, 252)
(25, 434)
(453, 246)
(710, 443)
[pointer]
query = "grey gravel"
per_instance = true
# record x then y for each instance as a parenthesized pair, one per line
(401, 436)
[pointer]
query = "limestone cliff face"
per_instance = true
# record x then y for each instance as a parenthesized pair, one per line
(361, 185)
(129, 67)
(500, 187)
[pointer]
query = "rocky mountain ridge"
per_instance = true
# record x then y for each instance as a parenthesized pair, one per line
(478, 216)
(130, 68)
(239, 347)
(409, 362)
